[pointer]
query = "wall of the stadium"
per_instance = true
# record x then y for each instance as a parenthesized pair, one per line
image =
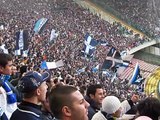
(147, 57)
(142, 46)
(153, 50)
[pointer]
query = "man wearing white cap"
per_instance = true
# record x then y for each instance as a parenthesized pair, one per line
(111, 109)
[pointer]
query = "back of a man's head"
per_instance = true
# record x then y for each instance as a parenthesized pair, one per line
(4, 58)
(59, 97)
(92, 89)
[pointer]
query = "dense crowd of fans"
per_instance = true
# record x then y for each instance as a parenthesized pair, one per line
(143, 15)
(72, 23)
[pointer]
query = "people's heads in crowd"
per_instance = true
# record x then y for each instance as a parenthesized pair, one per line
(135, 98)
(23, 69)
(67, 103)
(112, 106)
(5, 64)
(149, 107)
(14, 70)
(95, 92)
(105, 92)
(48, 77)
(33, 86)
(83, 90)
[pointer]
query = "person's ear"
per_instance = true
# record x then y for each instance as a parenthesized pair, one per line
(66, 111)
(38, 92)
(1, 69)
(91, 96)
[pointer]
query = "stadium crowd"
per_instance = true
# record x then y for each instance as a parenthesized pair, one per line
(71, 22)
(143, 15)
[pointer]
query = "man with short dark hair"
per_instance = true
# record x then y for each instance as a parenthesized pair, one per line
(94, 98)
(34, 88)
(7, 98)
(67, 103)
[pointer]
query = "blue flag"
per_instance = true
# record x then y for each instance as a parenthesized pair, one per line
(89, 45)
(40, 24)
(44, 65)
(21, 42)
(136, 77)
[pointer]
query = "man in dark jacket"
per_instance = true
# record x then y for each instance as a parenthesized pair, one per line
(94, 98)
(34, 88)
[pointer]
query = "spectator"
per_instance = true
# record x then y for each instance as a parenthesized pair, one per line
(94, 98)
(34, 88)
(7, 102)
(149, 107)
(67, 103)
(111, 109)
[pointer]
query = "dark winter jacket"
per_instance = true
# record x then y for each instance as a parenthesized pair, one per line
(27, 111)
(93, 108)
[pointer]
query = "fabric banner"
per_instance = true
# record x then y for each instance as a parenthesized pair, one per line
(53, 35)
(114, 59)
(21, 42)
(51, 65)
(40, 24)
(89, 45)
(136, 77)
(3, 48)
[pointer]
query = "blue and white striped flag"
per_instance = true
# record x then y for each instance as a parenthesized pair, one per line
(21, 42)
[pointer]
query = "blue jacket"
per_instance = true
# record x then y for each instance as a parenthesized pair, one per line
(27, 111)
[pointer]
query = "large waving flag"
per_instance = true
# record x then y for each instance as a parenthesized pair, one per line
(21, 42)
(3, 48)
(114, 59)
(88, 50)
(90, 41)
(107, 64)
(79, 71)
(53, 35)
(40, 24)
(90, 45)
(136, 77)
(51, 65)
(111, 52)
